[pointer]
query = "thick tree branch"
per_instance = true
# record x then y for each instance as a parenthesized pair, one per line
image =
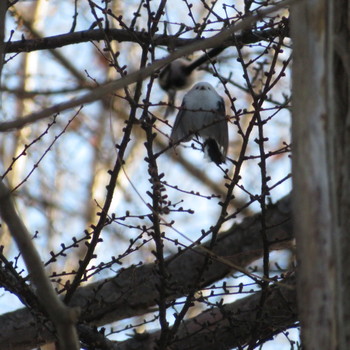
(63, 317)
(133, 291)
(228, 326)
(123, 35)
(231, 325)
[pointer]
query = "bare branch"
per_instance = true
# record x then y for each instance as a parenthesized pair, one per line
(142, 74)
(123, 35)
(133, 291)
(231, 325)
(63, 317)
(3, 9)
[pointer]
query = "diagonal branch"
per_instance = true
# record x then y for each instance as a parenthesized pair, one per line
(134, 290)
(142, 74)
(230, 325)
(63, 317)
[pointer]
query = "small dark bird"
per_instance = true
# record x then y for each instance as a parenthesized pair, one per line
(178, 75)
(175, 76)
(172, 78)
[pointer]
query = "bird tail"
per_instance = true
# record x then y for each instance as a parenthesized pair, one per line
(171, 102)
(211, 147)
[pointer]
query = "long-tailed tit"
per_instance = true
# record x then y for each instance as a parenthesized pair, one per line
(203, 114)
(174, 77)
(178, 75)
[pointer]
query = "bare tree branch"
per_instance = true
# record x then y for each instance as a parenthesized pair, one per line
(124, 35)
(142, 74)
(3, 9)
(133, 291)
(63, 317)
(230, 325)
(226, 326)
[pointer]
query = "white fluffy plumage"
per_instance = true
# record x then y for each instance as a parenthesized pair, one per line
(203, 114)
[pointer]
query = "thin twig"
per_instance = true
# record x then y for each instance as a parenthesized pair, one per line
(141, 74)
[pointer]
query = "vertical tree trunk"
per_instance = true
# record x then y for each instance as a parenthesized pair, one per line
(321, 170)
(338, 143)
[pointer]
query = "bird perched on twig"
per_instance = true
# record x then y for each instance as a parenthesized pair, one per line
(177, 75)
(174, 77)
(203, 114)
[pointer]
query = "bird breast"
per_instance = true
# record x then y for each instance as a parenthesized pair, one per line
(199, 99)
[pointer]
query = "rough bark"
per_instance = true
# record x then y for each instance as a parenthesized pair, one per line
(231, 325)
(321, 170)
(338, 144)
(133, 291)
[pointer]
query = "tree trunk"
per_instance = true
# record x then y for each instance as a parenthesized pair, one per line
(321, 146)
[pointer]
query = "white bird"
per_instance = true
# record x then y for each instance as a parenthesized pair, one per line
(203, 114)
